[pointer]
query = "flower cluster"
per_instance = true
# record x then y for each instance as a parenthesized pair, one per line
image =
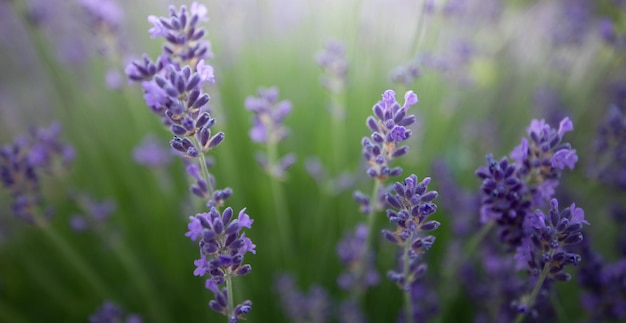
(388, 126)
(313, 306)
(335, 65)
(111, 312)
(268, 128)
(511, 190)
(411, 204)
(173, 89)
(222, 249)
(351, 252)
(543, 251)
(23, 162)
(96, 213)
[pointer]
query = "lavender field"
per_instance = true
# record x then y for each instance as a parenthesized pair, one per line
(312, 161)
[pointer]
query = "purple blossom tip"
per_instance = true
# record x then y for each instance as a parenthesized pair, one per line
(389, 97)
(564, 158)
(205, 71)
(565, 125)
(410, 98)
(199, 10)
(157, 30)
(578, 215)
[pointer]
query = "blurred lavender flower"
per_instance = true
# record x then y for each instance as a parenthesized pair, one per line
(96, 213)
(604, 284)
(222, 250)
(110, 312)
(332, 185)
(610, 148)
(311, 307)
(23, 162)
(332, 59)
(151, 153)
(351, 252)
(267, 128)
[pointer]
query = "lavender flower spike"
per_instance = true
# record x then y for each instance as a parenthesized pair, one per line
(388, 126)
(223, 246)
(543, 252)
(268, 128)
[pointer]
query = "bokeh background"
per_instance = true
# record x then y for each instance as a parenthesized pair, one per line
(483, 69)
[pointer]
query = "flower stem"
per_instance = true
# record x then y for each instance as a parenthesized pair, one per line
(282, 216)
(408, 304)
(229, 290)
(531, 300)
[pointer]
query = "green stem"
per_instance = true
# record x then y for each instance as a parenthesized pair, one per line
(408, 304)
(282, 217)
(531, 300)
(229, 289)
(73, 257)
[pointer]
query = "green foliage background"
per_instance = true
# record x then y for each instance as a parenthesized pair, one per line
(147, 263)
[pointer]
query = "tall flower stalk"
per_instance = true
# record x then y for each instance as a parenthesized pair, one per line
(268, 129)
(173, 89)
(388, 125)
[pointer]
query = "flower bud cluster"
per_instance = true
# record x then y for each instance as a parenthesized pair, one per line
(550, 234)
(222, 249)
(388, 126)
(268, 128)
(411, 204)
(511, 189)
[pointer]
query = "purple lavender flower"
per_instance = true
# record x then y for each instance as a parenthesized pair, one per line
(604, 296)
(173, 88)
(610, 147)
(313, 306)
(150, 152)
(110, 312)
(23, 162)
(388, 126)
(351, 251)
(222, 249)
(511, 190)
(96, 213)
(268, 128)
(105, 14)
(544, 251)
(335, 65)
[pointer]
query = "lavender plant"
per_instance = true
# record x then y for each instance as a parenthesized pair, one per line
(543, 252)
(410, 206)
(268, 129)
(388, 126)
(511, 190)
(173, 90)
